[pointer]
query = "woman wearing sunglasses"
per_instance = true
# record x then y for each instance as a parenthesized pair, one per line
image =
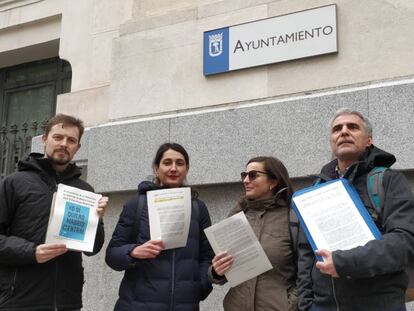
(266, 204)
(156, 279)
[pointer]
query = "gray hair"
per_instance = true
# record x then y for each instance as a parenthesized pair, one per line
(347, 111)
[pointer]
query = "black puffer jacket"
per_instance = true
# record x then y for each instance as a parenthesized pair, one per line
(25, 200)
(371, 276)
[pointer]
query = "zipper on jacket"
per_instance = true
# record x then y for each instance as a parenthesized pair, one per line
(13, 284)
(54, 287)
(334, 294)
(259, 237)
(172, 281)
(54, 189)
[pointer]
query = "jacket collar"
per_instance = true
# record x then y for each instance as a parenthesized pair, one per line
(38, 163)
(369, 159)
(264, 204)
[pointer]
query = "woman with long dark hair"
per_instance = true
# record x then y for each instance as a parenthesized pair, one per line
(156, 279)
(266, 204)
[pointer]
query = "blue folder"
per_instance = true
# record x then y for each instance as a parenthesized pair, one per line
(355, 198)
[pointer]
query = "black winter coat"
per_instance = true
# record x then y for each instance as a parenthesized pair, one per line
(176, 280)
(25, 200)
(371, 277)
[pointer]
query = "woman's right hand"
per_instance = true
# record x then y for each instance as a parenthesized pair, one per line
(222, 262)
(148, 250)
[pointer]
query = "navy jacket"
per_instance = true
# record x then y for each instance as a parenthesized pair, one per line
(371, 277)
(176, 279)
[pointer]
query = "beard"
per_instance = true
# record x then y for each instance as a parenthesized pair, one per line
(57, 160)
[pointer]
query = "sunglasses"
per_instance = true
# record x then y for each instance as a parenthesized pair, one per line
(252, 174)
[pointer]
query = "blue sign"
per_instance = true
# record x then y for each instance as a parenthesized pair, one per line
(292, 36)
(216, 51)
(75, 221)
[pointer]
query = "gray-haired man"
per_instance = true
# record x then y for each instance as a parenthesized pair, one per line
(371, 277)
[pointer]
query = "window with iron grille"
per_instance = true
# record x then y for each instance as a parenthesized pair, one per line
(28, 95)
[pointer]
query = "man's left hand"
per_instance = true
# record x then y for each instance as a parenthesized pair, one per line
(102, 205)
(327, 265)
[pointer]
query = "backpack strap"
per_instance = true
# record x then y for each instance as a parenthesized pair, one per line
(138, 212)
(375, 190)
(194, 203)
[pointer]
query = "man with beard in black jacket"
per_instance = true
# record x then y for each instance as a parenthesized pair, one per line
(369, 277)
(35, 275)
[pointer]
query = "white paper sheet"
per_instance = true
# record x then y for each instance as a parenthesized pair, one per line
(332, 218)
(235, 236)
(73, 218)
(169, 213)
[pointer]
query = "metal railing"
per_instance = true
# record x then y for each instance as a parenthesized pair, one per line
(15, 144)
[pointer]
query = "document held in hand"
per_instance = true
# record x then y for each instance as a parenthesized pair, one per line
(333, 216)
(169, 212)
(235, 236)
(73, 218)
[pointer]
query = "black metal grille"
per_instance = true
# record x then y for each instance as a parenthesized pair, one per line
(15, 144)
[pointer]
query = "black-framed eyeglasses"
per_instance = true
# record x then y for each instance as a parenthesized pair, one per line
(252, 174)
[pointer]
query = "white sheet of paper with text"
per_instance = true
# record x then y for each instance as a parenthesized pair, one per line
(332, 218)
(169, 212)
(235, 236)
(73, 218)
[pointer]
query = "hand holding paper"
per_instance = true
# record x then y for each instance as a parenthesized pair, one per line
(102, 205)
(148, 250)
(327, 265)
(222, 263)
(46, 252)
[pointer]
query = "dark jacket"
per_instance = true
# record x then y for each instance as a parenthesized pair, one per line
(177, 278)
(372, 276)
(273, 290)
(25, 200)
